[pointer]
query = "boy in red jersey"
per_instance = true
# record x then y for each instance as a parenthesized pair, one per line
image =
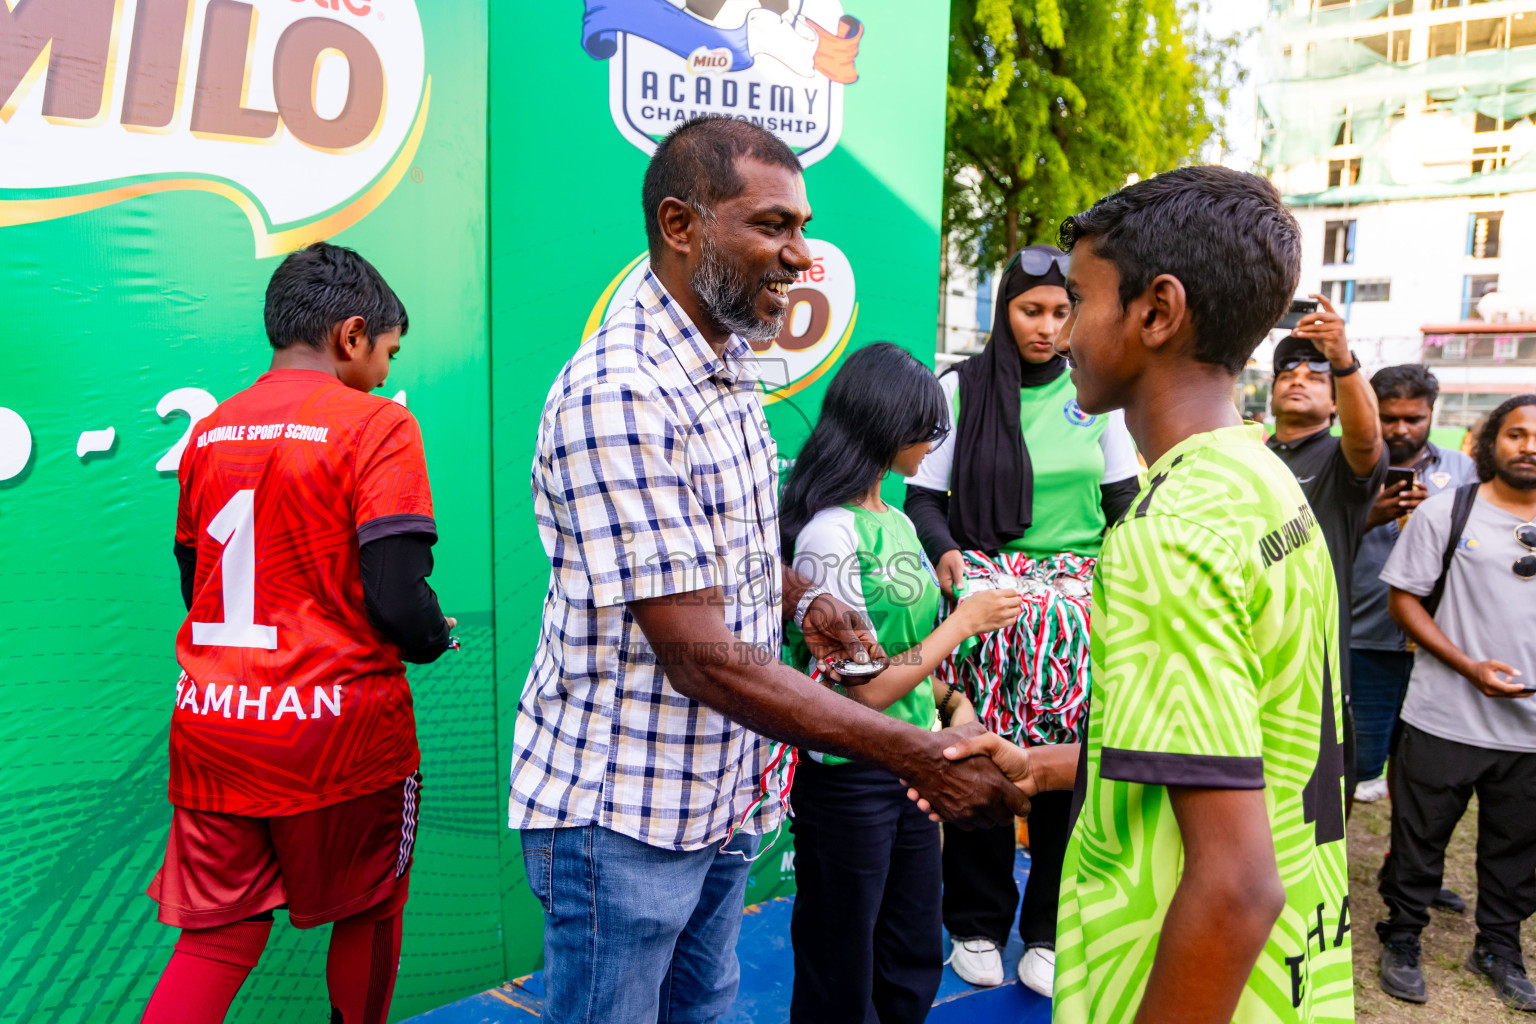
(304, 536)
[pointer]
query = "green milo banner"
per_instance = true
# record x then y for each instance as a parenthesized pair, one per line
(157, 158)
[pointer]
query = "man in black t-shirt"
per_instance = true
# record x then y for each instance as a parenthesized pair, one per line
(1317, 378)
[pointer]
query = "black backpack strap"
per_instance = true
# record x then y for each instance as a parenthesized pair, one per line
(1461, 511)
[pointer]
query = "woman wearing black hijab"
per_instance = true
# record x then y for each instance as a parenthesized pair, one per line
(1025, 483)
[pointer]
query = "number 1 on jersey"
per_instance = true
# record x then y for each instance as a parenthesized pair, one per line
(235, 528)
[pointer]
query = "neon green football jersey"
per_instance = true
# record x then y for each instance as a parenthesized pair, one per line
(1215, 664)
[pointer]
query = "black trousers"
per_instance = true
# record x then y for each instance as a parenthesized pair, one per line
(980, 894)
(865, 925)
(1434, 780)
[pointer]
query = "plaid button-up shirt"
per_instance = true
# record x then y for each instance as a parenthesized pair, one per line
(654, 474)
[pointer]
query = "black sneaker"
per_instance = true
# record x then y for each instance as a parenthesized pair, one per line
(1400, 974)
(1449, 899)
(1508, 977)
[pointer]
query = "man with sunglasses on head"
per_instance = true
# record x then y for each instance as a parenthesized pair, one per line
(1466, 725)
(1318, 379)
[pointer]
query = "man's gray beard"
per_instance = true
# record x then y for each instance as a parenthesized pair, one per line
(728, 300)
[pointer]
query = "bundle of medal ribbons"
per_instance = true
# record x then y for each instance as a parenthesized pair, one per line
(1028, 682)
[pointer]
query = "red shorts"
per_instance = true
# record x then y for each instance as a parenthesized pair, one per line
(324, 865)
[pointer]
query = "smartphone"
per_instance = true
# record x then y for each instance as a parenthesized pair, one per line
(1299, 308)
(1396, 475)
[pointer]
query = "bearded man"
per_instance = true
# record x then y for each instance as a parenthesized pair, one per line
(643, 731)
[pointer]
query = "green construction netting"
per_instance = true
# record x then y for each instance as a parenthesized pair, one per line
(1307, 98)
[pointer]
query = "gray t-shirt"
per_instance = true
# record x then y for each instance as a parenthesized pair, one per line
(1487, 611)
(1371, 628)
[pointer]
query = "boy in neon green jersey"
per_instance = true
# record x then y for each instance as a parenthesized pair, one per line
(1206, 880)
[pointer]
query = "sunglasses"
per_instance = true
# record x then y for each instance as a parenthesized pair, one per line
(1315, 365)
(1525, 565)
(1037, 262)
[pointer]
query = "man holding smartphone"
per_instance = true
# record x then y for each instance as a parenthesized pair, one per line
(1467, 727)
(1317, 379)
(1380, 661)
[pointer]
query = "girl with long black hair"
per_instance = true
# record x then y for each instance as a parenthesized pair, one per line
(1025, 484)
(866, 926)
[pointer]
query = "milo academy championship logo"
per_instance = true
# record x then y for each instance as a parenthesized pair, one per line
(781, 64)
(823, 309)
(304, 113)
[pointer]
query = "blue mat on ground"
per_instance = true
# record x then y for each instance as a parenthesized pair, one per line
(767, 972)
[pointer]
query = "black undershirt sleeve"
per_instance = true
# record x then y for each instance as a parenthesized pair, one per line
(186, 561)
(1115, 499)
(400, 603)
(929, 512)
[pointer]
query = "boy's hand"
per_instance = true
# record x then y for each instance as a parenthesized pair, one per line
(973, 741)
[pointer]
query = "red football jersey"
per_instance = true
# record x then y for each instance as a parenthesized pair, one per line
(289, 699)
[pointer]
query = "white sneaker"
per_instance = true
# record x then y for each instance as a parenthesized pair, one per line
(1371, 791)
(978, 961)
(1037, 970)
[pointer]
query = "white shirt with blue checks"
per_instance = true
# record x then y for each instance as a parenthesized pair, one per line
(654, 474)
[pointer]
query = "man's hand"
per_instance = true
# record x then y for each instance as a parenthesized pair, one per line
(1032, 771)
(834, 630)
(950, 570)
(1325, 329)
(1394, 500)
(968, 792)
(1496, 679)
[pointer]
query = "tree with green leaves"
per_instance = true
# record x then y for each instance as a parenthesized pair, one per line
(1053, 103)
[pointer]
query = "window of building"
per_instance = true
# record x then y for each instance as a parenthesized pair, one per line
(1373, 291)
(1487, 159)
(1346, 135)
(1483, 234)
(1339, 242)
(1396, 8)
(1522, 29)
(1506, 346)
(1343, 172)
(1440, 5)
(1392, 46)
(984, 302)
(1323, 5)
(1474, 287)
(1485, 34)
(1484, 123)
(1445, 39)
(1340, 293)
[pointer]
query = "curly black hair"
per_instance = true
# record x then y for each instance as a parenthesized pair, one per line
(1487, 438)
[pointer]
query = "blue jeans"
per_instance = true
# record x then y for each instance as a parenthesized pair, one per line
(1380, 682)
(634, 934)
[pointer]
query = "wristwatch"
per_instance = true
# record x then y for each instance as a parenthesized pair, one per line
(1351, 368)
(811, 594)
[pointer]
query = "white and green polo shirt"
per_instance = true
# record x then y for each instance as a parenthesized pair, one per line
(874, 563)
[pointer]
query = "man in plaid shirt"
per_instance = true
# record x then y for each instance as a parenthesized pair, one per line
(640, 736)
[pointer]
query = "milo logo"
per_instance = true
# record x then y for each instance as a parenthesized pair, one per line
(305, 113)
